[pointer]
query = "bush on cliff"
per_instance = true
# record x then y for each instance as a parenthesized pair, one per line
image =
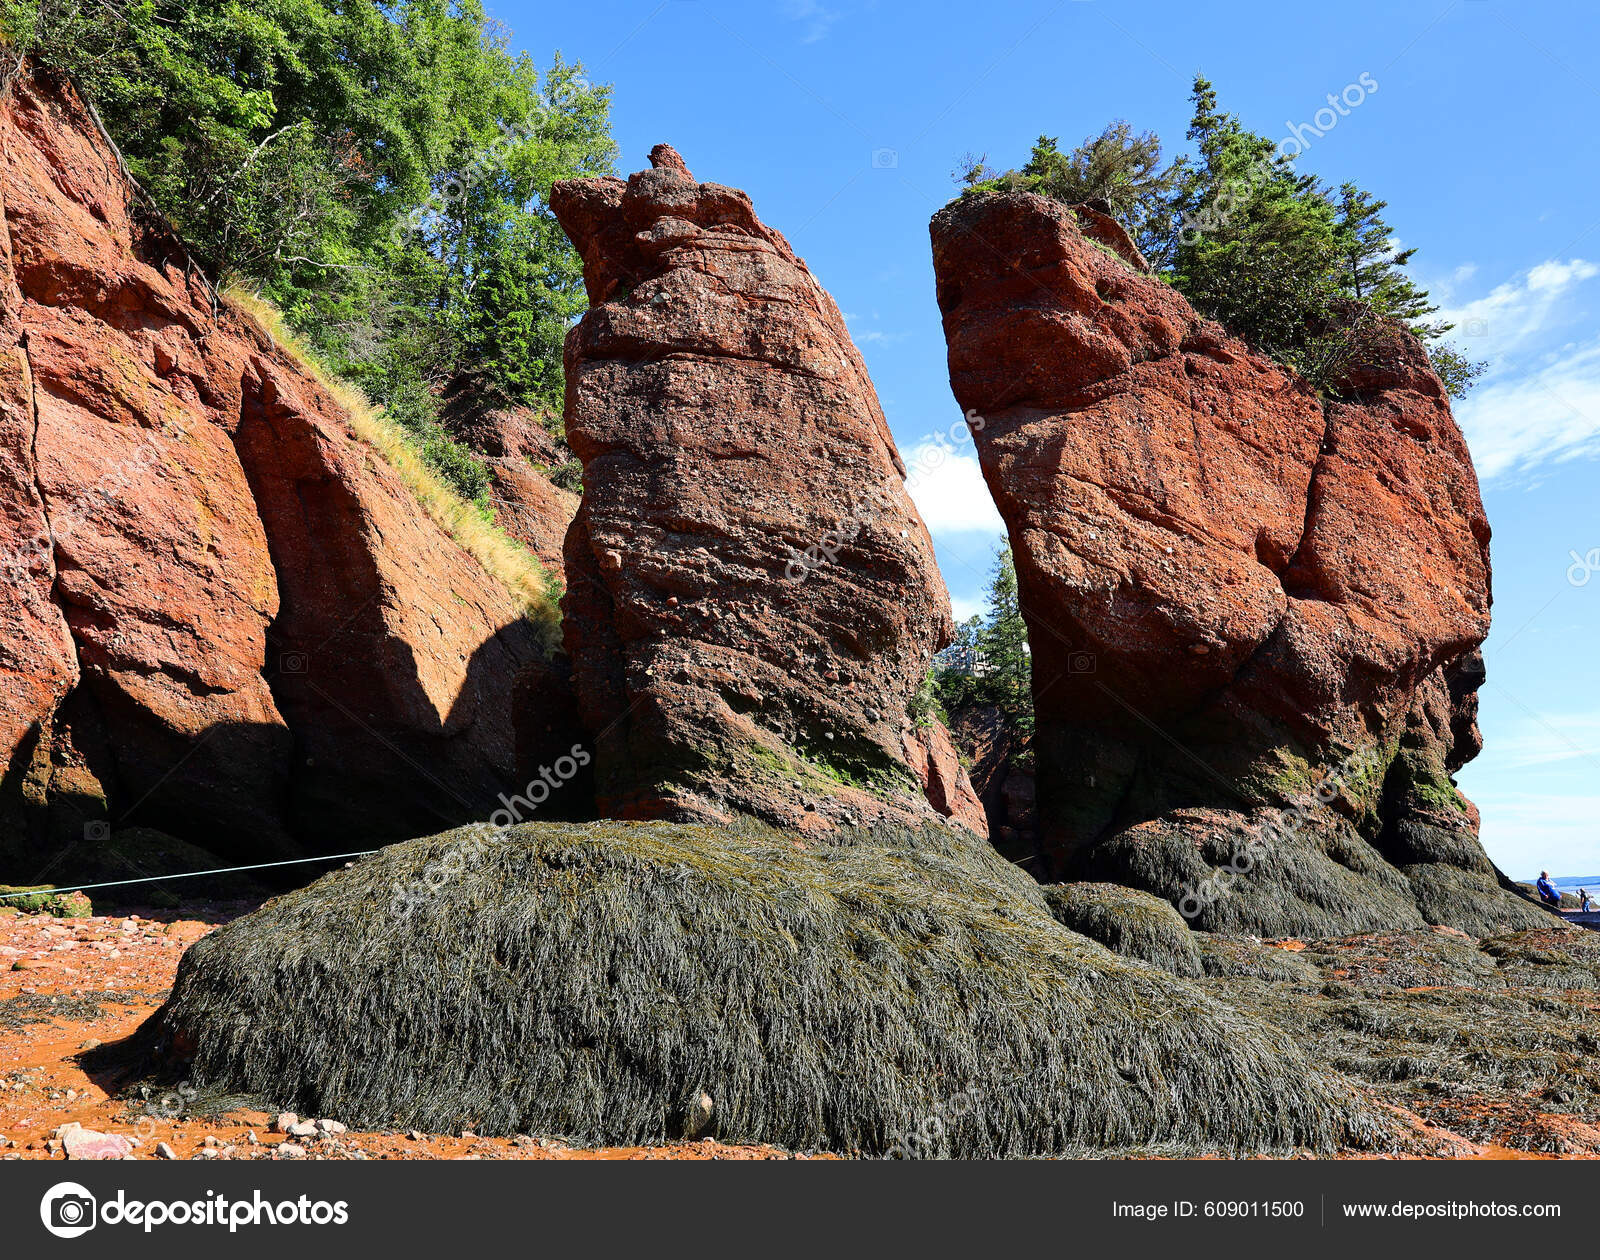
(379, 170)
(897, 992)
(501, 556)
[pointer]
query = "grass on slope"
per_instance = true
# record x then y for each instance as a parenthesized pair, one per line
(502, 557)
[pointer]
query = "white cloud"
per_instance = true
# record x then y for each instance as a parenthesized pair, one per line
(1515, 313)
(874, 338)
(949, 491)
(1556, 276)
(1539, 403)
(816, 20)
(1550, 414)
(966, 608)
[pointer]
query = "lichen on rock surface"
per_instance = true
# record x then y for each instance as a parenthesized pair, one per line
(752, 599)
(1241, 596)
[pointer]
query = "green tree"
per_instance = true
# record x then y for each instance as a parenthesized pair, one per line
(378, 168)
(998, 643)
(1273, 254)
(1257, 245)
(1374, 273)
(1119, 167)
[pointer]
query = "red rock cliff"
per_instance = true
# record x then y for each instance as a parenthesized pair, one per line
(227, 617)
(1232, 589)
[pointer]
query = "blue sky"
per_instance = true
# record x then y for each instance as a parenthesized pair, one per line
(844, 118)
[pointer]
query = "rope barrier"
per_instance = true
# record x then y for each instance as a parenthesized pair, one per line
(154, 879)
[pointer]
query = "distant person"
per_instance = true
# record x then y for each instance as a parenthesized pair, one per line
(1583, 900)
(1547, 891)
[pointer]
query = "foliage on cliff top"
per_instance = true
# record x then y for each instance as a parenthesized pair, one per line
(501, 556)
(1295, 267)
(378, 169)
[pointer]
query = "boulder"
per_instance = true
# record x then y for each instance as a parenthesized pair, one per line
(1254, 613)
(230, 620)
(1128, 922)
(892, 991)
(752, 599)
(81, 1143)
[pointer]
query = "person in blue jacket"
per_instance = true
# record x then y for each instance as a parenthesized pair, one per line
(1547, 891)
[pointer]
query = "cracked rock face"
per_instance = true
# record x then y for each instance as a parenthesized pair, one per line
(1235, 593)
(224, 616)
(752, 598)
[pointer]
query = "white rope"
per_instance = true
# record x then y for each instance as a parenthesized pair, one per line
(153, 879)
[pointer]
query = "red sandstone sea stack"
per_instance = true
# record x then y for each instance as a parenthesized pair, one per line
(1235, 588)
(752, 598)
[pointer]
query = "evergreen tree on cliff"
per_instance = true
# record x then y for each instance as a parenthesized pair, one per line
(996, 645)
(1282, 260)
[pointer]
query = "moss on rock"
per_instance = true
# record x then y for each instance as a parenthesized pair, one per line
(44, 899)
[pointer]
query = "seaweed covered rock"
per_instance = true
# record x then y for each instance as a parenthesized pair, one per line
(645, 982)
(1494, 1040)
(1243, 958)
(44, 899)
(752, 599)
(225, 616)
(1128, 922)
(1254, 614)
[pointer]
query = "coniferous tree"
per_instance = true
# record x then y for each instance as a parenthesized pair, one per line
(1275, 255)
(992, 661)
(1119, 167)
